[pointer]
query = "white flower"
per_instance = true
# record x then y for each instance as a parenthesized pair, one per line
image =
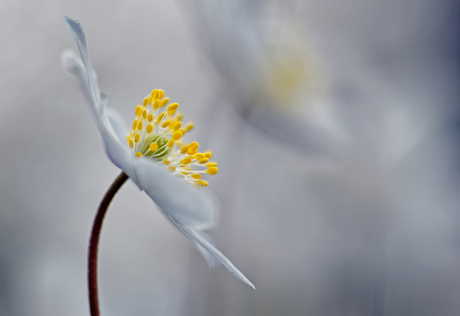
(151, 153)
(269, 70)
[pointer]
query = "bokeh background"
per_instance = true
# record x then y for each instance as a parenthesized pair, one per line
(335, 124)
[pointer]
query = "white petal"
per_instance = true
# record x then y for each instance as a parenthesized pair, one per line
(91, 79)
(210, 259)
(187, 205)
(108, 123)
(196, 238)
(118, 125)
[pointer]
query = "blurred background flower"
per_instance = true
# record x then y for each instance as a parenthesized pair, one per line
(368, 227)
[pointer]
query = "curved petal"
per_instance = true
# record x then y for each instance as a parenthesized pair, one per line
(187, 205)
(108, 123)
(210, 250)
(210, 259)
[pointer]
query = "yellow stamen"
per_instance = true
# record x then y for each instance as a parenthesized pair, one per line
(173, 106)
(177, 135)
(189, 127)
(139, 125)
(144, 103)
(138, 155)
(149, 128)
(199, 156)
(138, 110)
(161, 94)
(191, 151)
(196, 176)
(171, 168)
(184, 149)
(136, 138)
(186, 161)
(131, 143)
(208, 154)
(153, 147)
(154, 94)
(212, 170)
(211, 164)
(150, 117)
(161, 115)
(164, 102)
(166, 161)
(144, 114)
(202, 182)
(171, 143)
(202, 161)
(177, 125)
(135, 124)
(165, 123)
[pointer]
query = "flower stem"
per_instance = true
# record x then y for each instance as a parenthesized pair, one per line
(94, 243)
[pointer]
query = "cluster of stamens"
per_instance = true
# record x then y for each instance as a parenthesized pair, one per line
(157, 135)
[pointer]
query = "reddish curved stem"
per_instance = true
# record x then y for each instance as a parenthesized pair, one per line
(94, 243)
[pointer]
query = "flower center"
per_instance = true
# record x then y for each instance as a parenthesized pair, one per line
(157, 135)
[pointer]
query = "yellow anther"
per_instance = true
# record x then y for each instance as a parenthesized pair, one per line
(156, 105)
(149, 128)
(211, 164)
(202, 182)
(138, 110)
(161, 94)
(208, 154)
(135, 124)
(212, 170)
(139, 125)
(164, 102)
(150, 117)
(128, 137)
(189, 127)
(131, 143)
(171, 168)
(144, 114)
(171, 143)
(166, 161)
(179, 116)
(138, 154)
(196, 176)
(153, 147)
(202, 161)
(199, 156)
(177, 125)
(186, 161)
(185, 172)
(144, 103)
(171, 113)
(136, 138)
(191, 151)
(177, 135)
(173, 106)
(193, 145)
(184, 149)
(161, 115)
(165, 123)
(154, 94)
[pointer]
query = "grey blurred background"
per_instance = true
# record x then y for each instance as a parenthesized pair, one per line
(342, 200)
